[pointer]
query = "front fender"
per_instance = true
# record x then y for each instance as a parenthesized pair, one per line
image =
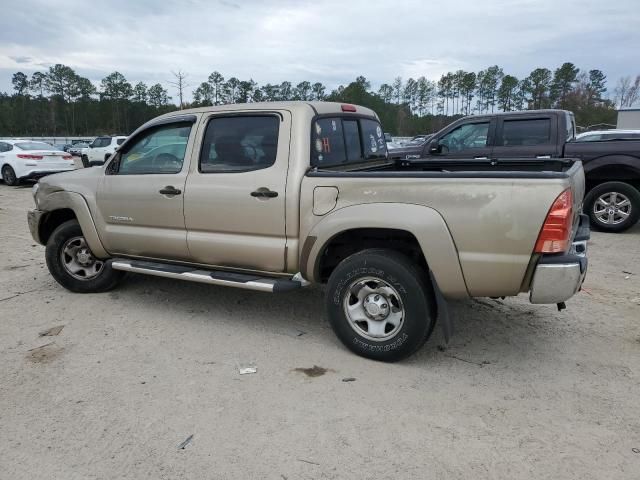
(77, 203)
(426, 225)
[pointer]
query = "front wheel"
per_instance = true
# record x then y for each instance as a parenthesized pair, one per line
(9, 176)
(613, 206)
(380, 305)
(72, 264)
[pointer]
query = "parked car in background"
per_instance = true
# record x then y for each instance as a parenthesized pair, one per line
(599, 135)
(76, 148)
(413, 149)
(611, 166)
(29, 160)
(273, 196)
(101, 149)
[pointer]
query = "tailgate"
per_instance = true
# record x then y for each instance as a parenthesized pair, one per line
(577, 185)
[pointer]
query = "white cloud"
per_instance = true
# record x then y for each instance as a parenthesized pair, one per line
(332, 41)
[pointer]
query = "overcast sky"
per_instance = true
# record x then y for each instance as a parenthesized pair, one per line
(330, 41)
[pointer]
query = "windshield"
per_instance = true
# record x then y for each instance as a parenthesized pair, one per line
(34, 146)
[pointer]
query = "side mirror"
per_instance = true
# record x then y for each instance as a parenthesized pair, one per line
(435, 148)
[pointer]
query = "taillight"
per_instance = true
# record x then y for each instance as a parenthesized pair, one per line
(556, 230)
(348, 108)
(67, 157)
(29, 157)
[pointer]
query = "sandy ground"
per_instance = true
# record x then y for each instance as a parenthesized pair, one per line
(520, 392)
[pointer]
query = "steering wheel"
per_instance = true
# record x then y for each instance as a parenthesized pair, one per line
(167, 160)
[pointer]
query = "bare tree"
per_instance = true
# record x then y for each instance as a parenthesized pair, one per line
(627, 93)
(180, 83)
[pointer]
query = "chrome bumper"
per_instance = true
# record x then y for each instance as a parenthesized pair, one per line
(559, 277)
(33, 219)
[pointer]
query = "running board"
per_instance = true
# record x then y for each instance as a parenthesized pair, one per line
(212, 277)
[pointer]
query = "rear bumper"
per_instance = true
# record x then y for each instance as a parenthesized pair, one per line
(559, 277)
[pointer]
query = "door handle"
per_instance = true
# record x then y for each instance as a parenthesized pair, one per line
(481, 158)
(264, 193)
(543, 156)
(170, 190)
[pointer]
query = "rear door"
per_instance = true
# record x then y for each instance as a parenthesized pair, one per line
(527, 136)
(234, 203)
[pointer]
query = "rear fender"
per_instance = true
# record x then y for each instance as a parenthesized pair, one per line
(424, 223)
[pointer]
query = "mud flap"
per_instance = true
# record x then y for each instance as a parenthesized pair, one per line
(443, 310)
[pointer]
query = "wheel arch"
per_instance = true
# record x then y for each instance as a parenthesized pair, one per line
(612, 168)
(418, 231)
(65, 206)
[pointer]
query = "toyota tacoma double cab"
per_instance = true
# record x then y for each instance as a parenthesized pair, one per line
(275, 196)
(611, 164)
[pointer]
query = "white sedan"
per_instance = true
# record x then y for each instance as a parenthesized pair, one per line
(31, 160)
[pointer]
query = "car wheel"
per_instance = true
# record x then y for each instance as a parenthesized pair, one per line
(9, 176)
(613, 206)
(381, 305)
(72, 264)
(85, 161)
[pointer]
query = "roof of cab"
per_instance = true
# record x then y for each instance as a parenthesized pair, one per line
(317, 108)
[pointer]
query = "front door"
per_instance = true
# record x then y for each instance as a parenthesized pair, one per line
(141, 196)
(235, 193)
(469, 140)
(97, 149)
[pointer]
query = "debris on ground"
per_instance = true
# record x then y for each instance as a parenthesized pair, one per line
(186, 442)
(314, 371)
(51, 332)
(247, 368)
(307, 461)
(349, 379)
(44, 353)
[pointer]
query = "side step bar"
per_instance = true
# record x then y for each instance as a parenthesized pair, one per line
(212, 277)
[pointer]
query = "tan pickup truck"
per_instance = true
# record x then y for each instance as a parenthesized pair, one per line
(275, 196)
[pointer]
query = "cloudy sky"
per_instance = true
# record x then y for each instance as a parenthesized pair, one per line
(331, 41)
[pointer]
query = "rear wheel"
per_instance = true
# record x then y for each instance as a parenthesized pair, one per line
(380, 304)
(85, 161)
(72, 264)
(613, 206)
(9, 176)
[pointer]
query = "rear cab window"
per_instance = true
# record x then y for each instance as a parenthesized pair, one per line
(349, 140)
(526, 132)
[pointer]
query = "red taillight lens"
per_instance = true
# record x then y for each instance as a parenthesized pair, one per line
(348, 108)
(29, 157)
(556, 231)
(68, 157)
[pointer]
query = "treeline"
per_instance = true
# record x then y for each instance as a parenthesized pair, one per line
(60, 102)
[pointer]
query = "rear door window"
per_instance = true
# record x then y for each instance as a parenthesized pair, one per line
(240, 143)
(339, 141)
(526, 132)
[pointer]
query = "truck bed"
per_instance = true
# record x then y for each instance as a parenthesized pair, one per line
(460, 168)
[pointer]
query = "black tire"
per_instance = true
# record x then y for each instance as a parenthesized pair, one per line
(602, 190)
(105, 280)
(85, 161)
(9, 176)
(415, 293)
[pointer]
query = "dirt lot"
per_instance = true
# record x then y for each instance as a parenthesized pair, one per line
(521, 391)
